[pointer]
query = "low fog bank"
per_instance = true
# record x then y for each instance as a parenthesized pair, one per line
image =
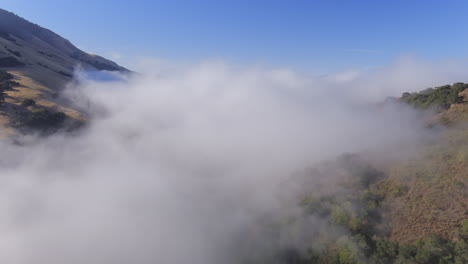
(177, 164)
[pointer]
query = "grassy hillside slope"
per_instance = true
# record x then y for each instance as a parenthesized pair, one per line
(26, 100)
(41, 63)
(412, 210)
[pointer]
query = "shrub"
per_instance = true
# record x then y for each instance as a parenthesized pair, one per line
(339, 215)
(386, 250)
(28, 102)
(464, 230)
(461, 252)
(5, 76)
(45, 119)
(2, 97)
(12, 83)
(432, 250)
(439, 97)
(407, 251)
(4, 87)
(346, 255)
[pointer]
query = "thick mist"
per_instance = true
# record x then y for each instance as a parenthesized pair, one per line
(177, 164)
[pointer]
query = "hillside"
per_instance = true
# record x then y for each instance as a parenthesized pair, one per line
(435, 200)
(42, 63)
(410, 210)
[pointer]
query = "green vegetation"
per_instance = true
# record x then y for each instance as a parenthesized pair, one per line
(431, 250)
(2, 97)
(28, 102)
(439, 97)
(39, 119)
(12, 84)
(43, 119)
(5, 76)
(354, 229)
(5, 84)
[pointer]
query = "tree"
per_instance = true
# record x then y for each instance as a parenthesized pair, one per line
(45, 119)
(28, 102)
(2, 97)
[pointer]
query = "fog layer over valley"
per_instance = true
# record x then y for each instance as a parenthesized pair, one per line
(178, 165)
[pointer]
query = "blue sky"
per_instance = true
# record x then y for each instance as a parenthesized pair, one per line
(308, 35)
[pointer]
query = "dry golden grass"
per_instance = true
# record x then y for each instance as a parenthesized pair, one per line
(435, 199)
(29, 89)
(456, 112)
(5, 131)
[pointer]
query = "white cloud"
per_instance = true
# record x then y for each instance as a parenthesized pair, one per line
(177, 162)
